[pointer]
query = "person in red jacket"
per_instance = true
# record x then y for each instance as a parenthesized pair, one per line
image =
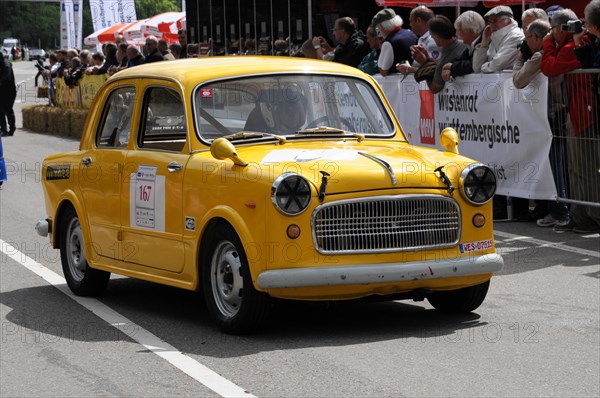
(559, 58)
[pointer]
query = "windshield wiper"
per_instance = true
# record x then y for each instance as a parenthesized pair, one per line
(255, 134)
(331, 130)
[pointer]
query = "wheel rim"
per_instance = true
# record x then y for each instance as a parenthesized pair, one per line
(75, 250)
(226, 279)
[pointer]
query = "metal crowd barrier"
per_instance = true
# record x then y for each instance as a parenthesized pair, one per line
(575, 151)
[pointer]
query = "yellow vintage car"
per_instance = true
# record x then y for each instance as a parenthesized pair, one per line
(257, 177)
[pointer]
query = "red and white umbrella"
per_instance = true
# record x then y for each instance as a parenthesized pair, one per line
(107, 35)
(428, 3)
(151, 25)
(494, 3)
(133, 33)
(168, 30)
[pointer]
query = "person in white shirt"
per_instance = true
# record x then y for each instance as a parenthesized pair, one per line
(418, 19)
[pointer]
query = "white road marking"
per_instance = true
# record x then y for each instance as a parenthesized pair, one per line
(155, 344)
(545, 243)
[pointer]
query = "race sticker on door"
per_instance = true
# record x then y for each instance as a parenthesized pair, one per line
(475, 246)
(147, 199)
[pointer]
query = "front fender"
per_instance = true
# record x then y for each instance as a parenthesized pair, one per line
(248, 237)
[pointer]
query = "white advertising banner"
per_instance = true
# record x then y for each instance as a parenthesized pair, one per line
(106, 13)
(497, 124)
(67, 24)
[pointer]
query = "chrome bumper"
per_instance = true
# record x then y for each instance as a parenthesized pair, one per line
(379, 273)
(43, 227)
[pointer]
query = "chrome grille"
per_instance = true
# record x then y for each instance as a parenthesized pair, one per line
(386, 224)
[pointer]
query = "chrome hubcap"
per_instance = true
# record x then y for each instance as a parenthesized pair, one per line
(75, 250)
(226, 279)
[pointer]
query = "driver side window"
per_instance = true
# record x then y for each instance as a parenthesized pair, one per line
(117, 116)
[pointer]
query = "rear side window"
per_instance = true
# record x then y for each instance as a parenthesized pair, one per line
(164, 125)
(116, 119)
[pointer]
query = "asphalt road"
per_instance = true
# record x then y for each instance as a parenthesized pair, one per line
(537, 333)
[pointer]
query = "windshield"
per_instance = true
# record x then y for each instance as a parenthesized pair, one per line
(289, 104)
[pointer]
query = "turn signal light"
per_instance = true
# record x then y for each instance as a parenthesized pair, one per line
(479, 220)
(293, 231)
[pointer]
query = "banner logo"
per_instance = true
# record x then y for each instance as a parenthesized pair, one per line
(427, 118)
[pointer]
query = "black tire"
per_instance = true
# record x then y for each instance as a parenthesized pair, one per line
(232, 301)
(461, 300)
(81, 278)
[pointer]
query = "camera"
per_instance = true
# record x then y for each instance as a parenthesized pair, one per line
(574, 26)
(525, 50)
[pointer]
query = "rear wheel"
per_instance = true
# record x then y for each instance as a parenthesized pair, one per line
(82, 280)
(230, 296)
(461, 300)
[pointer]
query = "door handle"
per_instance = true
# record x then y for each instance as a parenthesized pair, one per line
(86, 161)
(174, 166)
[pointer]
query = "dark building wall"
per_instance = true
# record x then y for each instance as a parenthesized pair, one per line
(231, 23)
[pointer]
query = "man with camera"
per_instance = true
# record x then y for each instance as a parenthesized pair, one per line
(559, 58)
(526, 69)
(587, 41)
(529, 57)
(587, 51)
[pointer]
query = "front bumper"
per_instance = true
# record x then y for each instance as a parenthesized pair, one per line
(379, 273)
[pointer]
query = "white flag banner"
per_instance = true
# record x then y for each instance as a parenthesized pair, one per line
(78, 19)
(67, 24)
(106, 13)
(497, 124)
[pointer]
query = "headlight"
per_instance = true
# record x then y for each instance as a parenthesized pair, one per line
(478, 183)
(290, 194)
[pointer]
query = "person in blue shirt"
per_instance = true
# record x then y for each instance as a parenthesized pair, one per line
(369, 62)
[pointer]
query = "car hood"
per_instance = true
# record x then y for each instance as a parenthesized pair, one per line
(357, 166)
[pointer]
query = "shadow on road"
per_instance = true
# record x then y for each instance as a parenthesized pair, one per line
(180, 318)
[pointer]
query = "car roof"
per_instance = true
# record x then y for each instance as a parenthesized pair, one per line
(195, 70)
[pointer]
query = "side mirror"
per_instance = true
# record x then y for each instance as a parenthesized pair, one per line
(449, 140)
(222, 148)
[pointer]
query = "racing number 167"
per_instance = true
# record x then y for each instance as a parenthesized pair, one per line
(145, 195)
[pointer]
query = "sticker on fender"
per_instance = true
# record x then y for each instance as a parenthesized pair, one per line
(475, 246)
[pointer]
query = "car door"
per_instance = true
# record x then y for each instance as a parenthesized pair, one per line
(151, 208)
(101, 172)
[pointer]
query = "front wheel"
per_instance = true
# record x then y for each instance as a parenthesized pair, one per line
(82, 280)
(461, 300)
(230, 296)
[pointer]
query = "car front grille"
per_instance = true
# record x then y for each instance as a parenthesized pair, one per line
(386, 224)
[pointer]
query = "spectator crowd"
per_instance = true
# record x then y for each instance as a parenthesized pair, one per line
(552, 42)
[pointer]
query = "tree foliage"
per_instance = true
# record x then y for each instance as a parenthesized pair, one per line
(148, 8)
(38, 23)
